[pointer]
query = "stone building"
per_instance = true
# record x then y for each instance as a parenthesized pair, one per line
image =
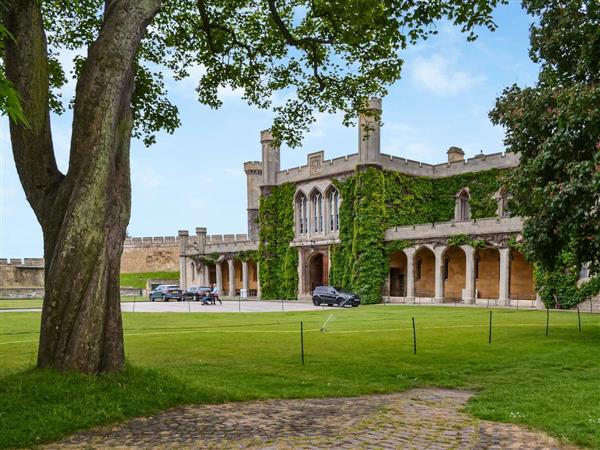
(433, 266)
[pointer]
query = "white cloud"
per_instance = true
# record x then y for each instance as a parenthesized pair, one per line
(439, 75)
(408, 141)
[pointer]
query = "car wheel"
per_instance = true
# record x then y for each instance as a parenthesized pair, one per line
(316, 302)
(355, 305)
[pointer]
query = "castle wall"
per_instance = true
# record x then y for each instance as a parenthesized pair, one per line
(150, 254)
(17, 273)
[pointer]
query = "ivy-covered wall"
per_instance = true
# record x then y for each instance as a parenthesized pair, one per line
(278, 261)
(374, 200)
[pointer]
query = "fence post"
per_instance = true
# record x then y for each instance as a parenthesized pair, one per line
(547, 319)
(579, 319)
(414, 336)
(302, 341)
(490, 335)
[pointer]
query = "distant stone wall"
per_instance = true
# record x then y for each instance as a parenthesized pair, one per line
(150, 254)
(17, 273)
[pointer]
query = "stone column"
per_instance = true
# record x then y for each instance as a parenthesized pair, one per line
(504, 294)
(230, 263)
(219, 278)
(258, 292)
(206, 275)
(439, 274)
(300, 272)
(469, 274)
(183, 244)
(410, 274)
(245, 276)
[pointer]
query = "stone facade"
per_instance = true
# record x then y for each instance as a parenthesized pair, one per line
(150, 254)
(430, 269)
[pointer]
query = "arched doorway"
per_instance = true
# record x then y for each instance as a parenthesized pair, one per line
(487, 273)
(316, 271)
(397, 276)
(454, 272)
(424, 273)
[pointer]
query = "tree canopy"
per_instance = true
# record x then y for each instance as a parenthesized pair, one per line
(324, 55)
(555, 128)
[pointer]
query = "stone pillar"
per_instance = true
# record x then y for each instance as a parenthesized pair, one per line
(258, 292)
(245, 276)
(206, 275)
(504, 294)
(439, 274)
(183, 244)
(230, 264)
(219, 278)
(469, 274)
(300, 272)
(410, 274)
(270, 158)
(369, 129)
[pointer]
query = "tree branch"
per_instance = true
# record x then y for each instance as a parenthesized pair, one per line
(27, 69)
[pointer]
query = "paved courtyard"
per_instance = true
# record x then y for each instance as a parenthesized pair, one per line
(227, 306)
(416, 419)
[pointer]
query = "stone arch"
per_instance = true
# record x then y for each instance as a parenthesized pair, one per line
(424, 271)
(454, 269)
(317, 270)
(332, 208)
(317, 212)
(502, 196)
(487, 273)
(397, 275)
(522, 286)
(462, 206)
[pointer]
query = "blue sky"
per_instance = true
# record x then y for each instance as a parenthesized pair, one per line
(195, 177)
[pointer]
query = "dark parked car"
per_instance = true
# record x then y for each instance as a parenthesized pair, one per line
(197, 293)
(166, 292)
(334, 296)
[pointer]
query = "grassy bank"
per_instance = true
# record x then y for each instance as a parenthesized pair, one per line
(549, 383)
(138, 280)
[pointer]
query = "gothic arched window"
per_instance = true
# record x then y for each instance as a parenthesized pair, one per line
(502, 197)
(302, 214)
(462, 210)
(317, 211)
(333, 203)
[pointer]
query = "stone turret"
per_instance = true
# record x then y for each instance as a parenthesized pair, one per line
(254, 178)
(270, 158)
(369, 132)
(455, 154)
(201, 239)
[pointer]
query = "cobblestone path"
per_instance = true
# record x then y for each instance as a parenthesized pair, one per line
(416, 419)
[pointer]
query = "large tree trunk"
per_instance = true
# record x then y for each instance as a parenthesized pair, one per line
(83, 214)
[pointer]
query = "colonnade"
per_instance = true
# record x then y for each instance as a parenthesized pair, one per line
(469, 292)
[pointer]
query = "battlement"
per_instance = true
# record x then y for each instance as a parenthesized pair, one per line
(219, 238)
(253, 167)
(230, 246)
(152, 240)
(317, 166)
(25, 262)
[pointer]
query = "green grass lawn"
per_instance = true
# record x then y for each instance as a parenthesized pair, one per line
(549, 383)
(138, 280)
(12, 303)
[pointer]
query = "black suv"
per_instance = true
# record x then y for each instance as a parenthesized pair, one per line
(334, 296)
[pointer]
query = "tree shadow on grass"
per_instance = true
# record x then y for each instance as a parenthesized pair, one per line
(39, 406)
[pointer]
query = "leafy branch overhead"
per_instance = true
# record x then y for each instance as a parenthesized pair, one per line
(298, 57)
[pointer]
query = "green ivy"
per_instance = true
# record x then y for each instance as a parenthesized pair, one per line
(209, 259)
(247, 255)
(559, 288)
(397, 246)
(462, 239)
(278, 261)
(374, 200)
